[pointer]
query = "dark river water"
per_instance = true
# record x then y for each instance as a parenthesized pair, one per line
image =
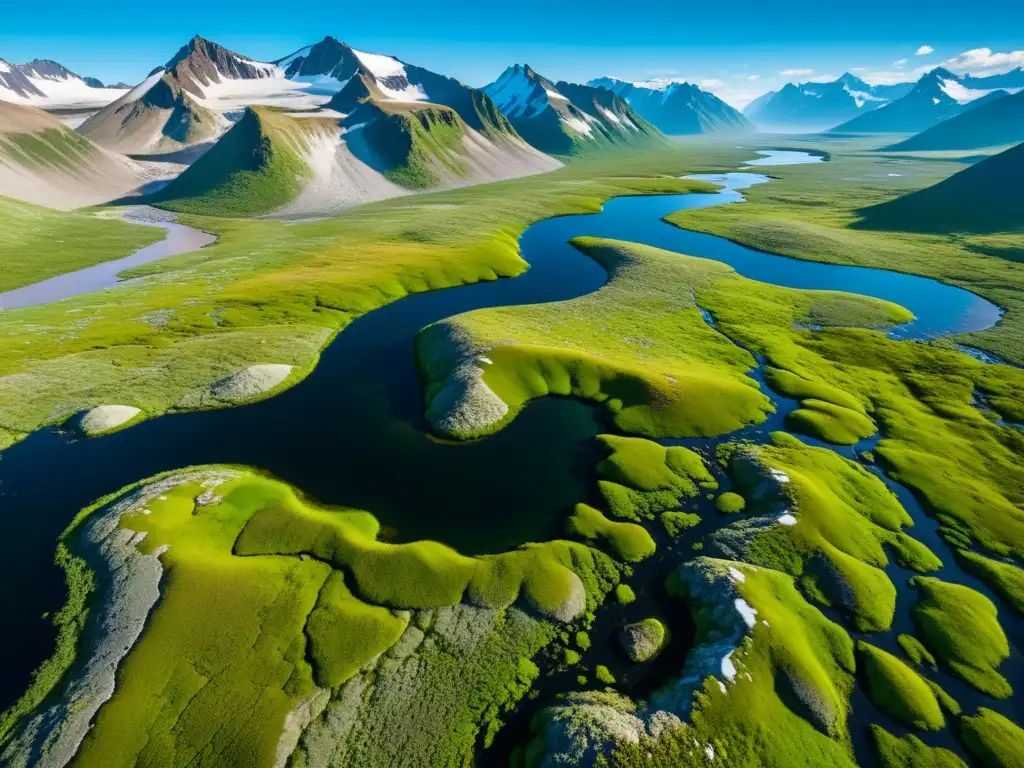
(353, 432)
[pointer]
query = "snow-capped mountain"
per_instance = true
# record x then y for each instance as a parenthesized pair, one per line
(193, 99)
(564, 118)
(937, 96)
(676, 108)
(816, 106)
(48, 85)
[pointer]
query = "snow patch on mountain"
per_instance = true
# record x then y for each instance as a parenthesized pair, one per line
(962, 94)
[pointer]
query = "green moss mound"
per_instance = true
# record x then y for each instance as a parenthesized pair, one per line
(640, 478)
(829, 422)
(899, 690)
(993, 739)
(677, 523)
(916, 651)
(730, 503)
(1006, 579)
(626, 541)
(910, 752)
(961, 628)
(624, 594)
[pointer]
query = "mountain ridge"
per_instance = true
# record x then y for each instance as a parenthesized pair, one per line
(677, 108)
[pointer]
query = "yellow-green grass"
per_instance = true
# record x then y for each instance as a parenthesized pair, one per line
(624, 594)
(910, 752)
(915, 650)
(730, 503)
(1005, 578)
(261, 626)
(639, 478)
(37, 243)
(830, 422)
(604, 675)
(628, 542)
(790, 711)
(808, 211)
(255, 168)
(844, 517)
(345, 633)
(270, 291)
(52, 148)
(961, 628)
(899, 690)
(675, 523)
(639, 345)
(993, 739)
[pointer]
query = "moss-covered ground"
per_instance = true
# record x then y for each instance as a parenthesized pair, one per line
(37, 243)
(899, 690)
(961, 628)
(273, 627)
(994, 740)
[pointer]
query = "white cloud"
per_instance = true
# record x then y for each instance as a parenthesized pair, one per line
(821, 79)
(712, 83)
(796, 72)
(899, 62)
(754, 77)
(983, 61)
(924, 50)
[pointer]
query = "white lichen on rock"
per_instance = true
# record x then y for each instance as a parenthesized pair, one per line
(128, 586)
(102, 419)
(249, 382)
(460, 404)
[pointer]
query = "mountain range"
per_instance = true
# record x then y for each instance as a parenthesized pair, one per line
(991, 123)
(45, 83)
(938, 95)
(676, 108)
(564, 118)
(815, 106)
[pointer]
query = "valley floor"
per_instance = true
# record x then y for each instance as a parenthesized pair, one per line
(788, 538)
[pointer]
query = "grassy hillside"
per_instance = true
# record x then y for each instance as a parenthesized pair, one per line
(993, 124)
(986, 197)
(253, 169)
(412, 145)
(38, 243)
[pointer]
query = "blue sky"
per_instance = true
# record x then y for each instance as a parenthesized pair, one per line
(737, 49)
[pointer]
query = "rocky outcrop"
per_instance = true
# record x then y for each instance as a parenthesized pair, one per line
(127, 588)
(102, 419)
(643, 640)
(250, 382)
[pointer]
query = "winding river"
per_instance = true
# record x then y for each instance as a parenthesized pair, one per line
(353, 432)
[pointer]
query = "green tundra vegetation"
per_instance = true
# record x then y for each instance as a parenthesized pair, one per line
(276, 604)
(840, 518)
(271, 291)
(626, 541)
(357, 651)
(994, 740)
(960, 627)
(39, 243)
(639, 478)
(899, 690)
(255, 168)
(787, 704)
(1005, 578)
(915, 650)
(910, 752)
